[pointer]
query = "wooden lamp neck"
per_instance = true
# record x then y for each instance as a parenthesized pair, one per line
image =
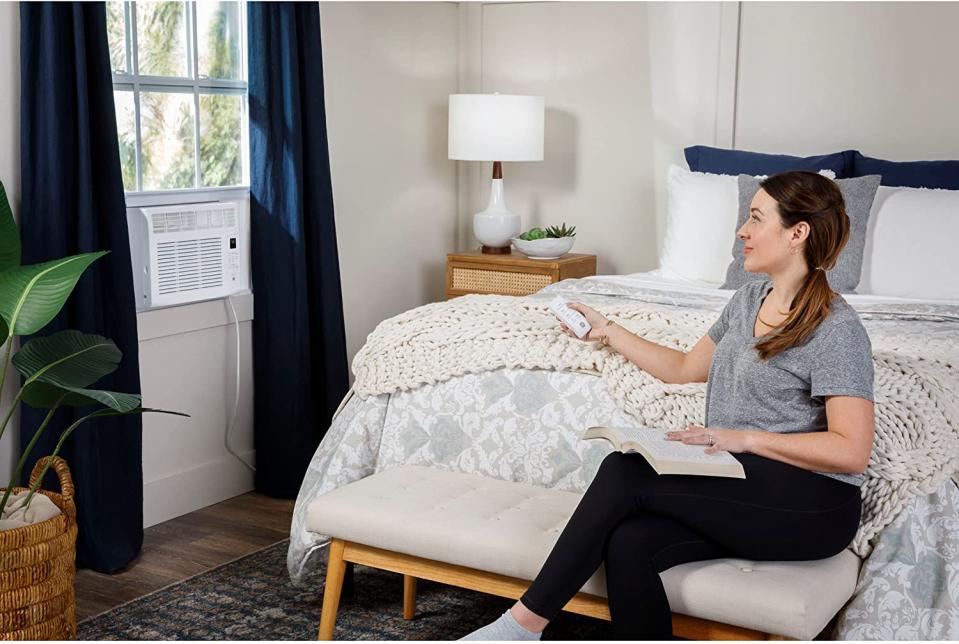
(497, 169)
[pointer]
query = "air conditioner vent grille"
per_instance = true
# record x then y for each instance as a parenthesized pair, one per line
(189, 264)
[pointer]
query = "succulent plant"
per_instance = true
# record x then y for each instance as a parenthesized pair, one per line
(550, 232)
(557, 231)
(533, 233)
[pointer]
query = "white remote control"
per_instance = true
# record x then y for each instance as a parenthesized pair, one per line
(573, 319)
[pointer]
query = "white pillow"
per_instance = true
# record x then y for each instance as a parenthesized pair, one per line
(700, 224)
(911, 244)
(701, 218)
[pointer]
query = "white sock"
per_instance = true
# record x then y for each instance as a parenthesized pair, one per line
(506, 628)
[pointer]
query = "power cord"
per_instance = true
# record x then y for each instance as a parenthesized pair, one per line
(236, 396)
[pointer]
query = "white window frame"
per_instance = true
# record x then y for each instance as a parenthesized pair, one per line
(195, 85)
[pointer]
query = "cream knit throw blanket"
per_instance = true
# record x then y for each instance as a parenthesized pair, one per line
(916, 392)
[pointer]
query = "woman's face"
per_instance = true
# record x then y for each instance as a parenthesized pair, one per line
(767, 244)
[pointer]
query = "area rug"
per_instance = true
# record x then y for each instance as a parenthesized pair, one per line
(252, 599)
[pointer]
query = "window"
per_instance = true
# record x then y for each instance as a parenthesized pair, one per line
(179, 86)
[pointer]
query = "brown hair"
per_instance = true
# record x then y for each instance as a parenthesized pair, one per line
(815, 199)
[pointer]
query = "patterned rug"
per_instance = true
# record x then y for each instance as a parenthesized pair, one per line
(252, 598)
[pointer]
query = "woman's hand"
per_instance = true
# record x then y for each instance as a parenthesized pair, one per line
(730, 440)
(595, 319)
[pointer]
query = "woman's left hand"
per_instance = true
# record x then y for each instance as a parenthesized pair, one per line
(730, 440)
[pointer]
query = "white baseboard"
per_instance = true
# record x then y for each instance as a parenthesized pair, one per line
(178, 493)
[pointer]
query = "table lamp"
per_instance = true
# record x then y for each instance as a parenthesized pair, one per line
(497, 128)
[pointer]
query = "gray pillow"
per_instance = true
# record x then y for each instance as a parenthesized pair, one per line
(844, 276)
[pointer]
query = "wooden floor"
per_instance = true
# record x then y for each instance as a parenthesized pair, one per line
(187, 545)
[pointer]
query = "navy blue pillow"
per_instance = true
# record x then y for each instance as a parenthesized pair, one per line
(909, 174)
(702, 158)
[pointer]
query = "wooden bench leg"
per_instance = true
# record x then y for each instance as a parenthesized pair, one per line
(409, 596)
(335, 569)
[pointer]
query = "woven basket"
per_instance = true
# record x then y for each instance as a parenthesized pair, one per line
(37, 569)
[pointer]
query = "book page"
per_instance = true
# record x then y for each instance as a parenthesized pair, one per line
(661, 448)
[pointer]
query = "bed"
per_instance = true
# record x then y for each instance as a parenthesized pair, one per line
(521, 424)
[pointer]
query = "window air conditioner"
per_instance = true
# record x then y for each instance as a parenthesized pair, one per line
(188, 252)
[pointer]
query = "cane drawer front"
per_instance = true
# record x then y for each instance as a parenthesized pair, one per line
(492, 280)
(514, 274)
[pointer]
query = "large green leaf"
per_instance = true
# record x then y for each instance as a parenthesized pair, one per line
(44, 396)
(9, 235)
(68, 359)
(31, 296)
(40, 395)
(115, 400)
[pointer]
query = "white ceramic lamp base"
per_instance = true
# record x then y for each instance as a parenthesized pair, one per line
(496, 226)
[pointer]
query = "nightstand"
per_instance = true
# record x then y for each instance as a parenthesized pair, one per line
(513, 274)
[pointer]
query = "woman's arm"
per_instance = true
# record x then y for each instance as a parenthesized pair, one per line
(845, 447)
(669, 365)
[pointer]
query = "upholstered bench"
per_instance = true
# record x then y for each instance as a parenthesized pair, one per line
(493, 536)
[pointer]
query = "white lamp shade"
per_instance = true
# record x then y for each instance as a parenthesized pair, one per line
(496, 127)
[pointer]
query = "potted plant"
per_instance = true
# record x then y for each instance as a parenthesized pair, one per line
(551, 243)
(37, 571)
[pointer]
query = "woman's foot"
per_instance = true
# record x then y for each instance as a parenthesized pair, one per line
(505, 628)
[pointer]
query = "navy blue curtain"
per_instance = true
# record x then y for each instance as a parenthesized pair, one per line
(73, 203)
(300, 371)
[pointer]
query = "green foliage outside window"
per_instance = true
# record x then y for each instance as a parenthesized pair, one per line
(167, 118)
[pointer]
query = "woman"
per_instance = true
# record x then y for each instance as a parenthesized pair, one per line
(789, 392)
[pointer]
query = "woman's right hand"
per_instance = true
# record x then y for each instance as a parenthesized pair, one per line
(597, 322)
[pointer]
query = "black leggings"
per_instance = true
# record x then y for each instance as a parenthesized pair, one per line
(640, 523)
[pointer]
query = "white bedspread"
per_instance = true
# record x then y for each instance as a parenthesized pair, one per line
(524, 425)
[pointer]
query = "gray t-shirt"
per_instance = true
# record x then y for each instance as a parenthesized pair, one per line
(785, 394)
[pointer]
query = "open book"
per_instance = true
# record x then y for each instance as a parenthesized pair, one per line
(669, 456)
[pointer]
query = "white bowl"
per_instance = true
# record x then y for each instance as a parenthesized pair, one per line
(548, 248)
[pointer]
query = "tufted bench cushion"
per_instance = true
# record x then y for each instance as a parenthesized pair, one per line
(509, 529)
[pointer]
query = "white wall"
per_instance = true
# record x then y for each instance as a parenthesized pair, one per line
(188, 364)
(389, 68)
(875, 76)
(10, 175)
(627, 86)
